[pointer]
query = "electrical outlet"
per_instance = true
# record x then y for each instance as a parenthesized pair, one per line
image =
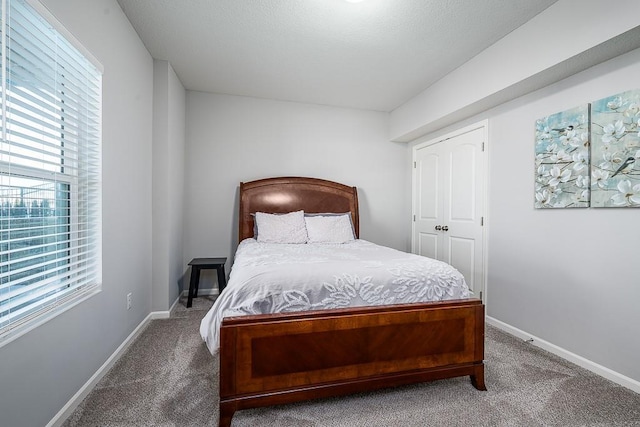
(129, 301)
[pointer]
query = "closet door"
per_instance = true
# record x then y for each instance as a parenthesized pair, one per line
(448, 203)
(428, 212)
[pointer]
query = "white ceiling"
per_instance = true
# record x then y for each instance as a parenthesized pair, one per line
(374, 55)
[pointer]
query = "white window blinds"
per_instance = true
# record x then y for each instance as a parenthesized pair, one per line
(50, 159)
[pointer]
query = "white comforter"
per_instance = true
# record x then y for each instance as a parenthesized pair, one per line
(271, 278)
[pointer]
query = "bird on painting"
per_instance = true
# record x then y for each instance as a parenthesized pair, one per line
(626, 166)
(563, 130)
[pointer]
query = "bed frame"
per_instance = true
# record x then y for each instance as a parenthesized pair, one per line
(281, 358)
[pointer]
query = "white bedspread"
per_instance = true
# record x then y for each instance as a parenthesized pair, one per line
(271, 278)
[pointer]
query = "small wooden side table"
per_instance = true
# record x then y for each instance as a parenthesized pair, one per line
(198, 264)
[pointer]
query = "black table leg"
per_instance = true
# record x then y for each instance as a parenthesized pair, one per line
(193, 284)
(222, 279)
(197, 286)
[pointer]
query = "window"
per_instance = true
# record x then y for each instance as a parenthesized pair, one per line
(50, 180)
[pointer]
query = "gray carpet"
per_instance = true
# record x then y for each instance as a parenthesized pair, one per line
(168, 378)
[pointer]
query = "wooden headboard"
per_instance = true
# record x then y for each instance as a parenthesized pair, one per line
(288, 194)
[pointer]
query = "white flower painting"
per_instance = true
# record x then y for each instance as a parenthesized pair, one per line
(615, 153)
(562, 159)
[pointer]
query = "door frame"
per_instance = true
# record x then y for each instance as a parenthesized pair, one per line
(484, 125)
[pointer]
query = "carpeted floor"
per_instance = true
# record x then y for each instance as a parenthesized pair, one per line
(168, 378)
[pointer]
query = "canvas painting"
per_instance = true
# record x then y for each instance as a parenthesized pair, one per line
(562, 159)
(615, 168)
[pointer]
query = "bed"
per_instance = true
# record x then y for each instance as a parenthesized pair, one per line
(283, 357)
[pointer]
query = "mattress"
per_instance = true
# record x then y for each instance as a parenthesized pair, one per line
(276, 278)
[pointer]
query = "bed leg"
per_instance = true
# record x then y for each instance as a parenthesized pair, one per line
(226, 413)
(477, 379)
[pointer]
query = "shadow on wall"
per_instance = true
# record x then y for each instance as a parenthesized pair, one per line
(235, 221)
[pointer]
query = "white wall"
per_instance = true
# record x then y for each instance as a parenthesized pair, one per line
(176, 167)
(574, 280)
(232, 139)
(43, 369)
(168, 184)
(566, 38)
(567, 276)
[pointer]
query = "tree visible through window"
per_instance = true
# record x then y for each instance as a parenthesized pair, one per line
(49, 168)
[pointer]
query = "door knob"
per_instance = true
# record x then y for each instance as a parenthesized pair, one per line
(438, 227)
(445, 228)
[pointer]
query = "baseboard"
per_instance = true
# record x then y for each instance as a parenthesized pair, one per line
(77, 398)
(160, 315)
(603, 371)
(164, 314)
(203, 292)
(174, 303)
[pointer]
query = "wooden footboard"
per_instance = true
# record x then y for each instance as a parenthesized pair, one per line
(281, 358)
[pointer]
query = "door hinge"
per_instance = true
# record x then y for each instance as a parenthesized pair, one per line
(481, 295)
(481, 221)
(414, 218)
(414, 165)
(483, 146)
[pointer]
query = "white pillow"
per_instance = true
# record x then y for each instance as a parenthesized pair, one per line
(329, 229)
(281, 228)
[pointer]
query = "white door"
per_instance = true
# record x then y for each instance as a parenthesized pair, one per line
(448, 203)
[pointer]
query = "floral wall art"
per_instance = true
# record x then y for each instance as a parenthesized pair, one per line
(615, 168)
(562, 159)
(590, 155)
